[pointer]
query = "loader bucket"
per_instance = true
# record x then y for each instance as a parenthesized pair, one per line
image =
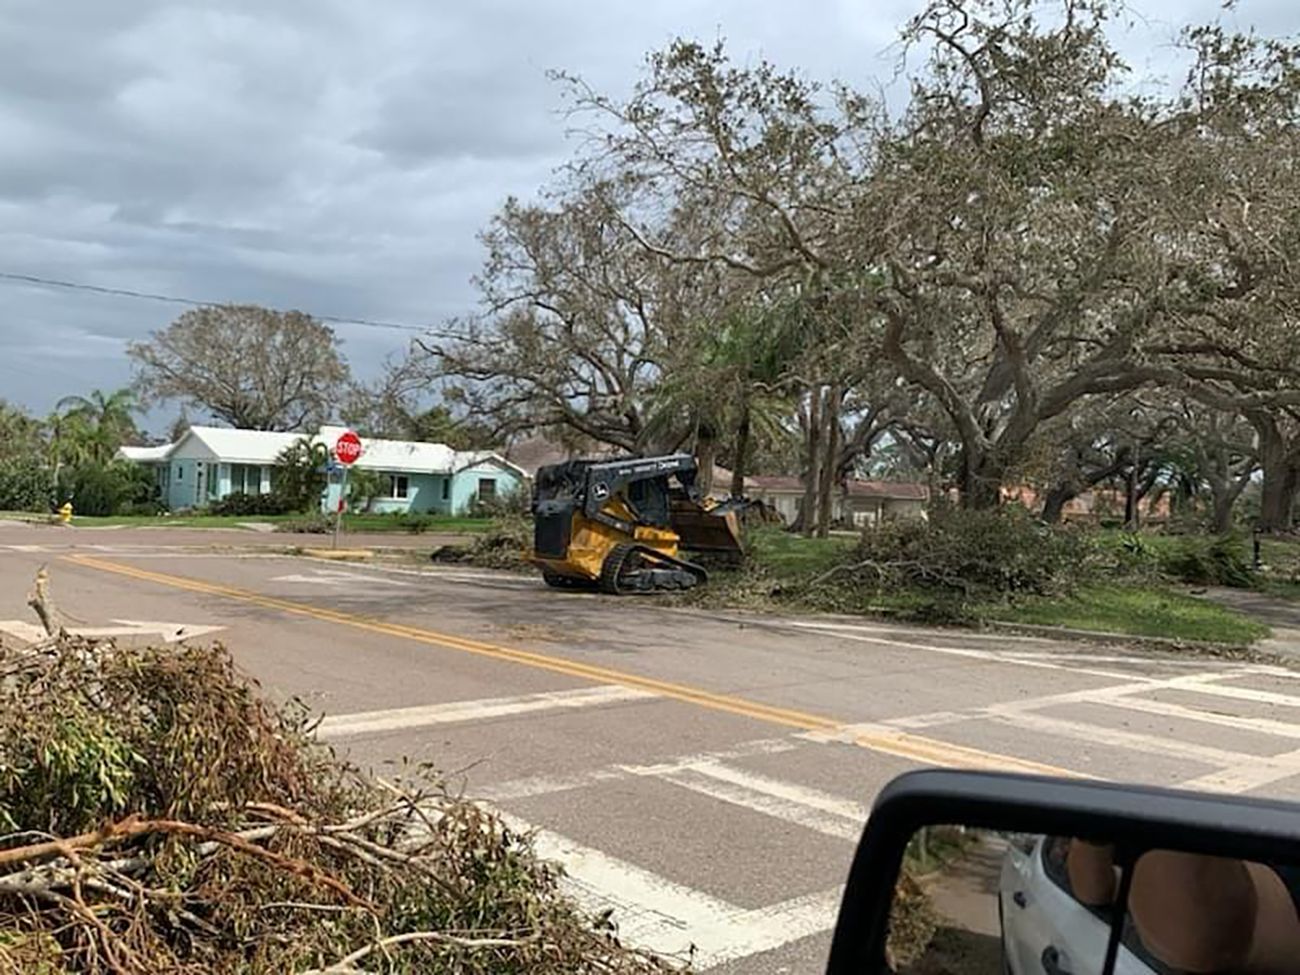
(715, 531)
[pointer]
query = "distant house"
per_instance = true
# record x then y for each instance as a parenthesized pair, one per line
(1094, 504)
(857, 502)
(211, 463)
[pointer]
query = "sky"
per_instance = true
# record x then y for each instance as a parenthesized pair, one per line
(334, 156)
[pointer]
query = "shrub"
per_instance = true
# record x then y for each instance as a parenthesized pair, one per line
(299, 474)
(106, 489)
(317, 523)
(506, 505)
(1004, 552)
(245, 505)
(416, 522)
(24, 485)
(1209, 561)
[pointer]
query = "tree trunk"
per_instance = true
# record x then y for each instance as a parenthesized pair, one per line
(741, 461)
(1277, 493)
(705, 451)
(981, 479)
(808, 513)
(1054, 503)
(826, 489)
(1223, 505)
(1277, 496)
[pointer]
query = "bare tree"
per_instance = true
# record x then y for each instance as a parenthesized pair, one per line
(248, 366)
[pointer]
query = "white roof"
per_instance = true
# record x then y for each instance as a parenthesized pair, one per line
(396, 455)
(265, 447)
(145, 455)
(241, 446)
(468, 458)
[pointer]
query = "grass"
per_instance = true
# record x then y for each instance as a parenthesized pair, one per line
(793, 556)
(1140, 609)
(1136, 611)
(351, 523)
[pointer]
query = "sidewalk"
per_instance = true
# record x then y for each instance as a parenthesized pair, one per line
(1280, 614)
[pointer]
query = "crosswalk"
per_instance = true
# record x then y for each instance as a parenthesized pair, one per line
(1238, 724)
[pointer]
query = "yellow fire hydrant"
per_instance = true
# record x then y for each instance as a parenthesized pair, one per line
(65, 512)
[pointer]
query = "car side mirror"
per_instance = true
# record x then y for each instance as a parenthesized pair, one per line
(976, 873)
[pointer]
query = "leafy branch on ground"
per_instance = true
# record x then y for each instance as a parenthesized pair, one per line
(158, 816)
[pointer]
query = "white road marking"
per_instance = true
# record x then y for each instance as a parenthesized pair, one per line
(809, 808)
(22, 631)
(659, 914)
(1210, 684)
(163, 632)
(172, 632)
(542, 785)
(338, 577)
(971, 653)
(1268, 726)
(27, 548)
(1244, 778)
(379, 722)
(1120, 738)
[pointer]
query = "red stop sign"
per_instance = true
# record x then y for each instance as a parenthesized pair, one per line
(347, 448)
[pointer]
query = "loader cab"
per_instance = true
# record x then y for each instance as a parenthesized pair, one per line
(616, 524)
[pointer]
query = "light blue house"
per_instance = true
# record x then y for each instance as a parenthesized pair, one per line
(211, 463)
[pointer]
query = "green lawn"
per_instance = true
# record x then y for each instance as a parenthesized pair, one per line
(351, 523)
(1139, 611)
(793, 556)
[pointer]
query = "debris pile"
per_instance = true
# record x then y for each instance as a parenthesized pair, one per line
(158, 816)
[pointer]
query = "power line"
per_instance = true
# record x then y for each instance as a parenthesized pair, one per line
(192, 302)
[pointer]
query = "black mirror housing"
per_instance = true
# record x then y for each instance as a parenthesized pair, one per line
(1136, 819)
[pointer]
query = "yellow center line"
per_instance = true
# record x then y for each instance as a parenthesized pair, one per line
(928, 751)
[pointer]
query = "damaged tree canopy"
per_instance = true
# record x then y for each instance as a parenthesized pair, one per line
(157, 816)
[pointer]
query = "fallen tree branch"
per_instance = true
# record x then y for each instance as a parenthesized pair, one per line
(347, 964)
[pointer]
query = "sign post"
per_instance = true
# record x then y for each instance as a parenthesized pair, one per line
(346, 451)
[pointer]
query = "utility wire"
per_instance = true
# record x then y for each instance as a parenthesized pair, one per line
(192, 302)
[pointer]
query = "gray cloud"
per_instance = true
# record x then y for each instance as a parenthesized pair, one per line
(328, 155)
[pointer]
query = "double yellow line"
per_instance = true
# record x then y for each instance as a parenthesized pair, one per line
(926, 751)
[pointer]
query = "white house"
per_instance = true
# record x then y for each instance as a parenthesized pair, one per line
(856, 502)
(211, 463)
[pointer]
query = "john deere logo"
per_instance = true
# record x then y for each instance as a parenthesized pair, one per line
(600, 491)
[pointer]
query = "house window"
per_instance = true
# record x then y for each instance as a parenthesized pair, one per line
(398, 486)
(446, 489)
(487, 487)
(180, 472)
(245, 479)
(214, 480)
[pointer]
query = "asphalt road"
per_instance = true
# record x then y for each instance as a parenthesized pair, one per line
(703, 776)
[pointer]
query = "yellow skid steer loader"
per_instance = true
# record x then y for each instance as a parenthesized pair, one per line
(621, 525)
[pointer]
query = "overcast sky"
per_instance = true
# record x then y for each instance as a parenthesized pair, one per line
(335, 156)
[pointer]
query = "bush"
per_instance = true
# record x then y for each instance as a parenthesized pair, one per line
(416, 522)
(246, 505)
(510, 504)
(1003, 552)
(317, 523)
(107, 489)
(24, 485)
(1209, 561)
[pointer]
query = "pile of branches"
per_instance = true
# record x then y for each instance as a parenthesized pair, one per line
(158, 816)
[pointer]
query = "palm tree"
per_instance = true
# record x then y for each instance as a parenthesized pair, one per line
(94, 425)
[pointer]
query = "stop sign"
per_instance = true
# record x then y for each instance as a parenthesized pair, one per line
(347, 448)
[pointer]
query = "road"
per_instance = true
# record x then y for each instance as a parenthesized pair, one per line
(704, 776)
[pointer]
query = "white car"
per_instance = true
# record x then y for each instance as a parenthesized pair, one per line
(1045, 930)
